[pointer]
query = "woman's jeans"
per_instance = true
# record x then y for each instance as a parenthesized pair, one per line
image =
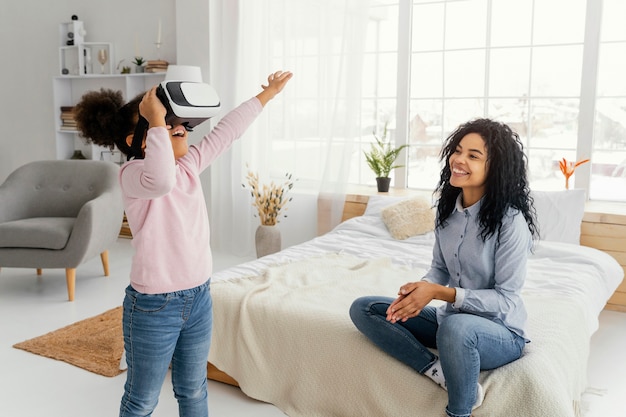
(466, 344)
(163, 329)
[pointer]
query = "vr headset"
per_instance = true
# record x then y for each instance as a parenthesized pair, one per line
(187, 104)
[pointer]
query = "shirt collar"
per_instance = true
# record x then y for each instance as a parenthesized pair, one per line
(471, 210)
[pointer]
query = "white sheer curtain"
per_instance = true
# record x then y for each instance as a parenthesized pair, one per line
(309, 130)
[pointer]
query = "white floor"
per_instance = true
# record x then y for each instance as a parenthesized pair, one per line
(33, 386)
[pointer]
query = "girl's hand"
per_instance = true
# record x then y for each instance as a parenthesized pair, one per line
(412, 298)
(152, 109)
(275, 84)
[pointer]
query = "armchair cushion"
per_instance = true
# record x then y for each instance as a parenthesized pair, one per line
(37, 232)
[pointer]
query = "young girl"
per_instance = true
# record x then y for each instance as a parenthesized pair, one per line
(484, 232)
(167, 309)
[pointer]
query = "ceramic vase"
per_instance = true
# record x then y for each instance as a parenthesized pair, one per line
(267, 239)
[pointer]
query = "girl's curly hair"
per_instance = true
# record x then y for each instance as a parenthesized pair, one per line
(103, 119)
(506, 184)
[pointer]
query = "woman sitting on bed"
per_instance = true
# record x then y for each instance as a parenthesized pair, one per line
(484, 232)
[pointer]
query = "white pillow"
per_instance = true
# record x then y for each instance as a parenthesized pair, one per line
(376, 203)
(409, 218)
(560, 214)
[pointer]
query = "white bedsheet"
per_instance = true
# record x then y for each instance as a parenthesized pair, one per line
(277, 357)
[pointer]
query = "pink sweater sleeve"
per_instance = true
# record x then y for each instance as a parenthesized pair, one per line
(227, 130)
(155, 175)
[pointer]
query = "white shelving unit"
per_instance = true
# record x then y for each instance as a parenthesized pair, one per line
(68, 90)
(82, 59)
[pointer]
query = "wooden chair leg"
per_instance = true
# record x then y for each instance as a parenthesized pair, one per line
(104, 257)
(70, 277)
(39, 271)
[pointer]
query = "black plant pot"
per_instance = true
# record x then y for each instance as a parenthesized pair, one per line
(383, 184)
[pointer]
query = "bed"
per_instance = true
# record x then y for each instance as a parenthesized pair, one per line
(283, 335)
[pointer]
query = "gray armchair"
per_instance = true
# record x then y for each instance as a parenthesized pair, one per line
(58, 214)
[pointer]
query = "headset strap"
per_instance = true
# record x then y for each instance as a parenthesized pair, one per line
(135, 148)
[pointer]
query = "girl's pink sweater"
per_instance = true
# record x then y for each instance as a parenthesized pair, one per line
(166, 209)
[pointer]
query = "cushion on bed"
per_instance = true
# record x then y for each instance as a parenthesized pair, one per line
(409, 218)
(560, 214)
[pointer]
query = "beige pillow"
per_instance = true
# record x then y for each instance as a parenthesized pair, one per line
(409, 218)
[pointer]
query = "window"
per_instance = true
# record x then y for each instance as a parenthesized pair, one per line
(608, 176)
(431, 65)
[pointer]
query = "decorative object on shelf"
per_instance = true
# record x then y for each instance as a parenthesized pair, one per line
(269, 201)
(77, 60)
(568, 168)
(114, 156)
(139, 61)
(67, 118)
(156, 66)
(78, 154)
(75, 53)
(381, 159)
(158, 43)
(124, 70)
(103, 57)
(73, 33)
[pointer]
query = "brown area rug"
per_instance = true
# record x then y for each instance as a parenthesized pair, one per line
(95, 344)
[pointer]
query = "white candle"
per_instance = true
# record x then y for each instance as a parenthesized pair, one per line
(159, 33)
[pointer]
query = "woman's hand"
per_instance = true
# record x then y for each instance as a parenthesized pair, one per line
(152, 109)
(275, 84)
(412, 298)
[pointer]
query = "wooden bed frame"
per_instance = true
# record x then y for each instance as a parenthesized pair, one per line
(603, 228)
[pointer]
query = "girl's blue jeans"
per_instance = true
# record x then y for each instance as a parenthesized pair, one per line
(163, 329)
(466, 344)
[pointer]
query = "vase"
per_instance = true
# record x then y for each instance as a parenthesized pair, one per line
(383, 184)
(267, 240)
(78, 155)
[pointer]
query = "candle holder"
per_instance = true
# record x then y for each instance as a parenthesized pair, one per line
(158, 46)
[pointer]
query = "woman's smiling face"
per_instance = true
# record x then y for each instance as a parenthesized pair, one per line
(468, 166)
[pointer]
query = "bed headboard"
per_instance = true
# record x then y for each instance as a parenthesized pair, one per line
(354, 206)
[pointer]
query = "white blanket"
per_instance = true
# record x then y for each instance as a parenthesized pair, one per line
(287, 338)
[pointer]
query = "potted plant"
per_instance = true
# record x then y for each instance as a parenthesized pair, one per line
(139, 61)
(381, 159)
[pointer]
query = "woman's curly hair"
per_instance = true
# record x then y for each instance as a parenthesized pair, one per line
(103, 119)
(506, 182)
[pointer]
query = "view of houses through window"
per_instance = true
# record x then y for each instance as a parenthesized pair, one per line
(557, 78)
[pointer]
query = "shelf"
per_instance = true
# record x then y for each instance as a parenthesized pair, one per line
(82, 59)
(69, 89)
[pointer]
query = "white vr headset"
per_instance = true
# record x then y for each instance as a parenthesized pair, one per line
(187, 104)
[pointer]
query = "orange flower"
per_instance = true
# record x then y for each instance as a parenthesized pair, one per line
(568, 168)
